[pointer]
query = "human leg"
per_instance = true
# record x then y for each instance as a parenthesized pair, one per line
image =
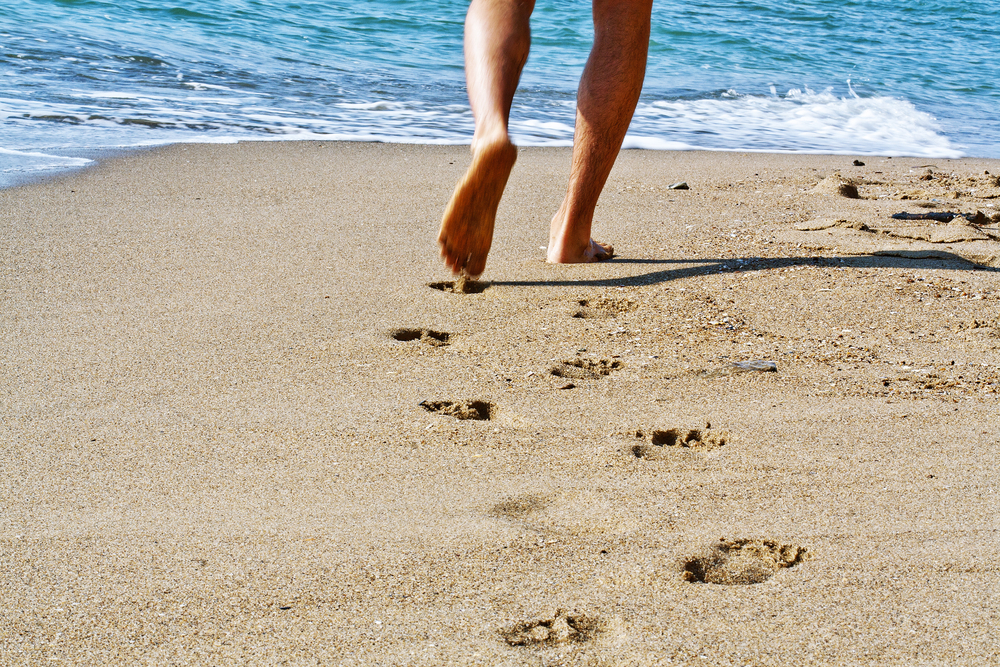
(609, 91)
(497, 41)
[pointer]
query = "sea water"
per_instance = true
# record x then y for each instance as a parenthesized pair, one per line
(867, 77)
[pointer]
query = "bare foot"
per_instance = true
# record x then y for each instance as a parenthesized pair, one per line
(467, 226)
(592, 252)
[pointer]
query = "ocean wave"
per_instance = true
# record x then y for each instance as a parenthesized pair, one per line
(16, 165)
(800, 121)
(373, 106)
(196, 85)
(28, 157)
(633, 141)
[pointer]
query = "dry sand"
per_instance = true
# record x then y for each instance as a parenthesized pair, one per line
(214, 450)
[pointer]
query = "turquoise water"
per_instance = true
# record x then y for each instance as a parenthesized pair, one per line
(865, 77)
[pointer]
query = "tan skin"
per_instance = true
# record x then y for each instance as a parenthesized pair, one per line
(497, 41)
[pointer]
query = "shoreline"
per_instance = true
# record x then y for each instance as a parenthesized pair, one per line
(233, 381)
(100, 154)
(16, 179)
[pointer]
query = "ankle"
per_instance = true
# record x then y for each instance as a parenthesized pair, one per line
(565, 232)
(491, 138)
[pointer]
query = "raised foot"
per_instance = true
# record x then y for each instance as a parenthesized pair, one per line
(467, 226)
(594, 252)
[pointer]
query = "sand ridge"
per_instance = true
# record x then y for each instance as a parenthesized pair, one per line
(217, 447)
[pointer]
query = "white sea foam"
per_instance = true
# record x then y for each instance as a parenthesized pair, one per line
(203, 86)
(373, 106)
(29, 157)
(17, 165)
(545, 126)
(532, 132)
(655, 143)
(801, 121)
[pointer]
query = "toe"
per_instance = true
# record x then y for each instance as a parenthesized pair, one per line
(603, 251)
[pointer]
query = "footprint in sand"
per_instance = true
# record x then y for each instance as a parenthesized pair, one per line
(478, 410)
(461, 286)
(562, 628)
(585, 369)
(742, 562)
(520, 507)
(662, 443)
(428, 336)
(603, 307)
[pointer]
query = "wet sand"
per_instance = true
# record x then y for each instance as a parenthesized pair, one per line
(239, 426)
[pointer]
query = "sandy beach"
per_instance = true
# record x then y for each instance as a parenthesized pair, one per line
(245, 419)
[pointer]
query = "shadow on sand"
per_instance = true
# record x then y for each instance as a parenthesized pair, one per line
(691, 268)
